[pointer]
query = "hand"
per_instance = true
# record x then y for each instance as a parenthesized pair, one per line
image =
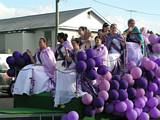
(130, 29)
(29, 52)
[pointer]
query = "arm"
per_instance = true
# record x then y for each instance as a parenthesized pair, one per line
(31, 56)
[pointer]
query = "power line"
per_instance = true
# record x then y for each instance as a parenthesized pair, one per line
(126, 10)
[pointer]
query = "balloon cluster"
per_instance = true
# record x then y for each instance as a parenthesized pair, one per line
(16, 62)
(134, 95)
(73, 115)
(88, 63)
(155, 43)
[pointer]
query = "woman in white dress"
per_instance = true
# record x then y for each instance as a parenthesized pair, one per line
(39, 76)
(66, 84)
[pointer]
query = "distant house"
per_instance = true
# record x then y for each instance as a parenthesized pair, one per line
(23, 33)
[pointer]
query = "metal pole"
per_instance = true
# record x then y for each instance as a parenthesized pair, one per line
(57, 22)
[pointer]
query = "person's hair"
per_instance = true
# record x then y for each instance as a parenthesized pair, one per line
(62, 36)
(83, 28)
(66, 36)
(113, 25)
(105, 25)
(77, 40)
(44, 39)
(131, 20)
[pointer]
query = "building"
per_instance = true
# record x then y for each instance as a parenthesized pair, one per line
(23, 33)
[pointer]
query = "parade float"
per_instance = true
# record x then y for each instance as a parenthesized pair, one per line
(134, 94)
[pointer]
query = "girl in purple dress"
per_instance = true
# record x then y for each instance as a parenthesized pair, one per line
(39, 76)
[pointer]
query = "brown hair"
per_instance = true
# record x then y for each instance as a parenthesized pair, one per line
(131, 20)
(44, 39)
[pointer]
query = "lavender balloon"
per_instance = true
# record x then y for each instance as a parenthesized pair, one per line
(144, 116)
(104, 95)
(154, 113)
(131, 115)
(120, 107)
(81, 56)
(136, 72)
(129, 104)
(73, 115)
(152, 102)
(87, 99)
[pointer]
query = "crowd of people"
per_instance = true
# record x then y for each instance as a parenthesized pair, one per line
(55, 70)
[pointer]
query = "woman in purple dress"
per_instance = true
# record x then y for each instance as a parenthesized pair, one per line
(101, 50)
(39, 76)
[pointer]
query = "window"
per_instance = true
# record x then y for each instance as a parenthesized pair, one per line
(48, 35)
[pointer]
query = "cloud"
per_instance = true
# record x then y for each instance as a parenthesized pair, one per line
(8, 12)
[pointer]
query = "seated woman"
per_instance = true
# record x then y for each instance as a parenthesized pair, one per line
(85, 37)
(101, 50)
(134, 42)
(66, 78)
(39, 76)
(114, 44)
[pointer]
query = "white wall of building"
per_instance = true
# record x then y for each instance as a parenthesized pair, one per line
(28, 41)
(13, 41)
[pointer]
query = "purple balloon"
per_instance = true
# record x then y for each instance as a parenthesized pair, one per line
(87, 99)
(90, 53)
(11, 72)
(20, 62)
(17, 54)
(104, 85)
(120, 107)
(152, 57)
(129, 104)
(141, 83)
(144, 60)
(98, 102)
(73, 115)
(123, 84)
(89, 111)
(152, 102)
(113, 94)
(157, 72)
(138, 110)
(98, 61)
(102, 70)
(103, 94)
(131, 115)
(109, 108)
(81, 66)
(140, 92)
(157, 61)
(123, 95)
(136, 72)
(153, 87)
(154, 113)
(149, 94)
(99, 110)
(149, 65)
(91, 74)
(90, 63)
(156, 48)
(10, 60)
(131, 93)
(139, 103)
(131, 64)
(153, 39)
(114, 84)
(128, 78)
(116, 77)
(81, 56)
(144, 116)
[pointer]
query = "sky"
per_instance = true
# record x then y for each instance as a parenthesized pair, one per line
(14, 8)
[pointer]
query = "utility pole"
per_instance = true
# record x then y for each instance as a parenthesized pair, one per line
(56, 21)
